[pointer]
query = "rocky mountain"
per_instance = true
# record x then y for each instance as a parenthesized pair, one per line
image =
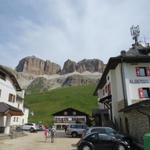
(37, 75)
(91, 65)
(69, 66)
(37, 66)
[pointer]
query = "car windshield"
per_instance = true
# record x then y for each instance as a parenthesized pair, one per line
(111, 131)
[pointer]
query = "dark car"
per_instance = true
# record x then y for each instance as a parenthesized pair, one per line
(98, 141)
(108, 131)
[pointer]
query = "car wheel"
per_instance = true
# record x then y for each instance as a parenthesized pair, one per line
(121, 147)
(31, 130)
(86, 147)
(74, 134)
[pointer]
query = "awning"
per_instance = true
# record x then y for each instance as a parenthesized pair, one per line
(8, 109)
(140, 105)
(105, 99)
(99, 111)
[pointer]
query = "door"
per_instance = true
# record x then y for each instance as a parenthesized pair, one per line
(105, 142)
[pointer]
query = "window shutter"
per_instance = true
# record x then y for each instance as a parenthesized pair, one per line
(137, 71)
(148, 71)
(141, 93)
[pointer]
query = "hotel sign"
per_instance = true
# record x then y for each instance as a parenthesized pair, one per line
(139, 81)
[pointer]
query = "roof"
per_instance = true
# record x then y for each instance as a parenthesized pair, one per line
(106, 99)
(69, 112)
(99, 111)
(139, 105)
(129, 57)
(8, 109)
(11, 76)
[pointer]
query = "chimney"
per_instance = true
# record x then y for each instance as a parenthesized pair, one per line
(123, 53)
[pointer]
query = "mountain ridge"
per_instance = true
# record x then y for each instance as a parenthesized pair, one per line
(37, 66)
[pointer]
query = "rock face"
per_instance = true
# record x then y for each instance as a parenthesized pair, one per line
(42, 84)
(69, 66)
(91, 65)
(37, 66)
(75, 80)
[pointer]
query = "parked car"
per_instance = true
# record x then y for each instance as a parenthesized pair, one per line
(29, 127)
(40, 127)
(108, 131)
(76, 129)
(98, 141)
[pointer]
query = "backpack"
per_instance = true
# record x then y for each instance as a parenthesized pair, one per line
(52, 132)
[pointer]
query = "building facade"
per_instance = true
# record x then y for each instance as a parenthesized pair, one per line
(124, 90)
(12, 111)
(69, 116)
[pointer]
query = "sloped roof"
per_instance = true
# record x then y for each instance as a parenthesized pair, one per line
(8, 109)
(136, 54)
(69, 112)
(139, 105)
(11, 76)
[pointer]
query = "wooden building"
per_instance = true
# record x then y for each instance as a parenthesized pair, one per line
(69, 116)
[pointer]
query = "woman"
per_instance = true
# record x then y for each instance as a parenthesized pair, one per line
(46, 133)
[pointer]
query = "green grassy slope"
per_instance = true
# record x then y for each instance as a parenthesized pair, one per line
(45, 104)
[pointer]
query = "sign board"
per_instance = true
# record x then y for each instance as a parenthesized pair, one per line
(139, 81)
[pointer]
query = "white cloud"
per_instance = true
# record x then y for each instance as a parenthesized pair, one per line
(58, 30)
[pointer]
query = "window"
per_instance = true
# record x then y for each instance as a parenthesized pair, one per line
(104, 137)
(2, 75)
(11, 98)
(109, 89)
(103, 92)
(0, 92)
(17, 119)
(100, 130)
(144, 92)
(74, 113)
(108, 78)
(93, 137)
(106, 88)
(142, 71)
(14, 119)
(65, 113)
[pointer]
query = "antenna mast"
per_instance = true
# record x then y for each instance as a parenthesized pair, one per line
(135, 33)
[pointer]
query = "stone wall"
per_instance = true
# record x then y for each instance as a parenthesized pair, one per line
(138, 123)
(120, 105)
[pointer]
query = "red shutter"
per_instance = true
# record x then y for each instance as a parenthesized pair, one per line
(137, 71)
(148, 71)
(141, 93)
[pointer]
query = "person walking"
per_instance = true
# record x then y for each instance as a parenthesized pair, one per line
(52, 134)
(46, 133)
(65, 127)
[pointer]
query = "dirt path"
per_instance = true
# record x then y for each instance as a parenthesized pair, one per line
(36, 141)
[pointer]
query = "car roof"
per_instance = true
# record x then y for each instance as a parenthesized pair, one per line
(100, 128)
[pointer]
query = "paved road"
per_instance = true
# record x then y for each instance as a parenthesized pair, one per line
(36, 141)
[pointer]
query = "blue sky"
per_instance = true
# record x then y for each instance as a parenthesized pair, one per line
(76, 29)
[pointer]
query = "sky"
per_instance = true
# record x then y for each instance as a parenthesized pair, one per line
(58, 30)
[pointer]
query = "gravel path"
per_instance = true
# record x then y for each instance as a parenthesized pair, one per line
(36, 141)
